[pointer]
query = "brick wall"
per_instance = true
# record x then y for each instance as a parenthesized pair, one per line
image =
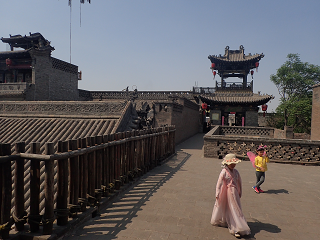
(296, 151)
(52, 79)
(184, 114)
(251, 118)
(63, 81)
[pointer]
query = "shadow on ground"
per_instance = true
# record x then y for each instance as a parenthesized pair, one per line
(120, 213)
(258, 226)
(277, 191)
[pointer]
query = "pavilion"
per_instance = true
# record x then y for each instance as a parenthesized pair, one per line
(233, 102)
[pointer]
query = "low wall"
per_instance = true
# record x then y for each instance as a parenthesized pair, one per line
(61, 108)
(299, 151)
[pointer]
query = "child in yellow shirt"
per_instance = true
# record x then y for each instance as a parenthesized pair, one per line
(261, 167)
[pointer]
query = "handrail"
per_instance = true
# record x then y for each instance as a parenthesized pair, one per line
(88, 169)
(75, 153)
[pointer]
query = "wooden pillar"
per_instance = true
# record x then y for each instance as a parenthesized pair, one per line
(117, 162)
(142, 166)
(91, 172)
(98, 164)
(137, 151)
(112, 160)
(83, 162)
(245, 80)
(74, 174)
(34, 217)
(62, 194)
(127, 155)
(49, 191)
(19, 187)
(6, 193)
(105, 164)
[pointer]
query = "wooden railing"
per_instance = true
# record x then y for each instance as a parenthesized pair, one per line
(88, 169)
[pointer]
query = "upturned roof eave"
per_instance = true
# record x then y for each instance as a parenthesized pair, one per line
(216, 59)
(236, 100)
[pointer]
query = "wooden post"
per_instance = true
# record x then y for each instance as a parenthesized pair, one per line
(62, 195)
(34, 217)
(98, 164)
(131, 154)
(123, 148)
(139, 149)
(74, 174)
(117, 158)
(6, 195)
(112, 160)
(49, 191)
(91, 172)
(147, 152)
(105, 163)
(127, 155)
(19, 186)
(117, 162)
(83, 161)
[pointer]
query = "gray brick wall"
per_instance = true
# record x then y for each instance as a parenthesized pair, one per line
(184, 115)
(251, 118)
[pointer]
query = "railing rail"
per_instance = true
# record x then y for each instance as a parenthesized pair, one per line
(88, 169)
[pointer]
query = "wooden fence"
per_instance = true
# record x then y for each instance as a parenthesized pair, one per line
(88, 169)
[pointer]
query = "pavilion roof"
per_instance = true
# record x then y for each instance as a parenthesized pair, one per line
(236, 98)
(235, 57)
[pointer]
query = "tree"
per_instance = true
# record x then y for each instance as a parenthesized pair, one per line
(294, 80)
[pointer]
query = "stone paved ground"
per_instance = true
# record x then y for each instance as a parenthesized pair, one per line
(175, 200)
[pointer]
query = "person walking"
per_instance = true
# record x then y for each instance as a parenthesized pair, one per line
(261, 167)
(227, 211)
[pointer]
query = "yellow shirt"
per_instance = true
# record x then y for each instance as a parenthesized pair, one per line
(261, 162)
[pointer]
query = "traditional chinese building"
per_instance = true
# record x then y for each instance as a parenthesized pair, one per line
(29, 72)
(233, 102)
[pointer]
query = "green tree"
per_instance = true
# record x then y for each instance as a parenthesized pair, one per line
(294, 80)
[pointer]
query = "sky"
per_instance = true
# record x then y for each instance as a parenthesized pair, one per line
(163, 45)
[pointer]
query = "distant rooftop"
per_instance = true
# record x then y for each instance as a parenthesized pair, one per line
(35, 40)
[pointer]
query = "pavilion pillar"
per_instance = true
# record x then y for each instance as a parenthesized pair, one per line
(245, 80)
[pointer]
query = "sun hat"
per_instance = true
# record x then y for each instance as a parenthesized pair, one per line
(230, 159)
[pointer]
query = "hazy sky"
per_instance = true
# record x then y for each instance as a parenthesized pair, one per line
(164, 45)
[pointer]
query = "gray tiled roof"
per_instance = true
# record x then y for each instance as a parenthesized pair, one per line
(235, 56)
(241, 98)
(51, 129)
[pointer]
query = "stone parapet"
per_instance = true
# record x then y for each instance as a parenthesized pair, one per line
(246, 131)
(296, 151)
(146, 95)
(61, 108)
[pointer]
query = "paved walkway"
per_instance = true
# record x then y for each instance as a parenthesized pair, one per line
(175, 200)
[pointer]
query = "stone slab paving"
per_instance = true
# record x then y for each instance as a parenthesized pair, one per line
(174, 201)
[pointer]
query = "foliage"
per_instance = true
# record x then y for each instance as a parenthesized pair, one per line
(294, 80)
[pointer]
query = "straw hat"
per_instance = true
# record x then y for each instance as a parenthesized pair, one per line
(230, 159)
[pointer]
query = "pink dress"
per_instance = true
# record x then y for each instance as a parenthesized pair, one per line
(227, 210)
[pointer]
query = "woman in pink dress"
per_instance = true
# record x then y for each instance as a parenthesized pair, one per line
(227, 210)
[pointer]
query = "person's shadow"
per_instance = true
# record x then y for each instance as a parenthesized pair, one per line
(276, 191)
(257, 226)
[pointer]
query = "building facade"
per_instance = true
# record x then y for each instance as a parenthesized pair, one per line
(29, 72)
